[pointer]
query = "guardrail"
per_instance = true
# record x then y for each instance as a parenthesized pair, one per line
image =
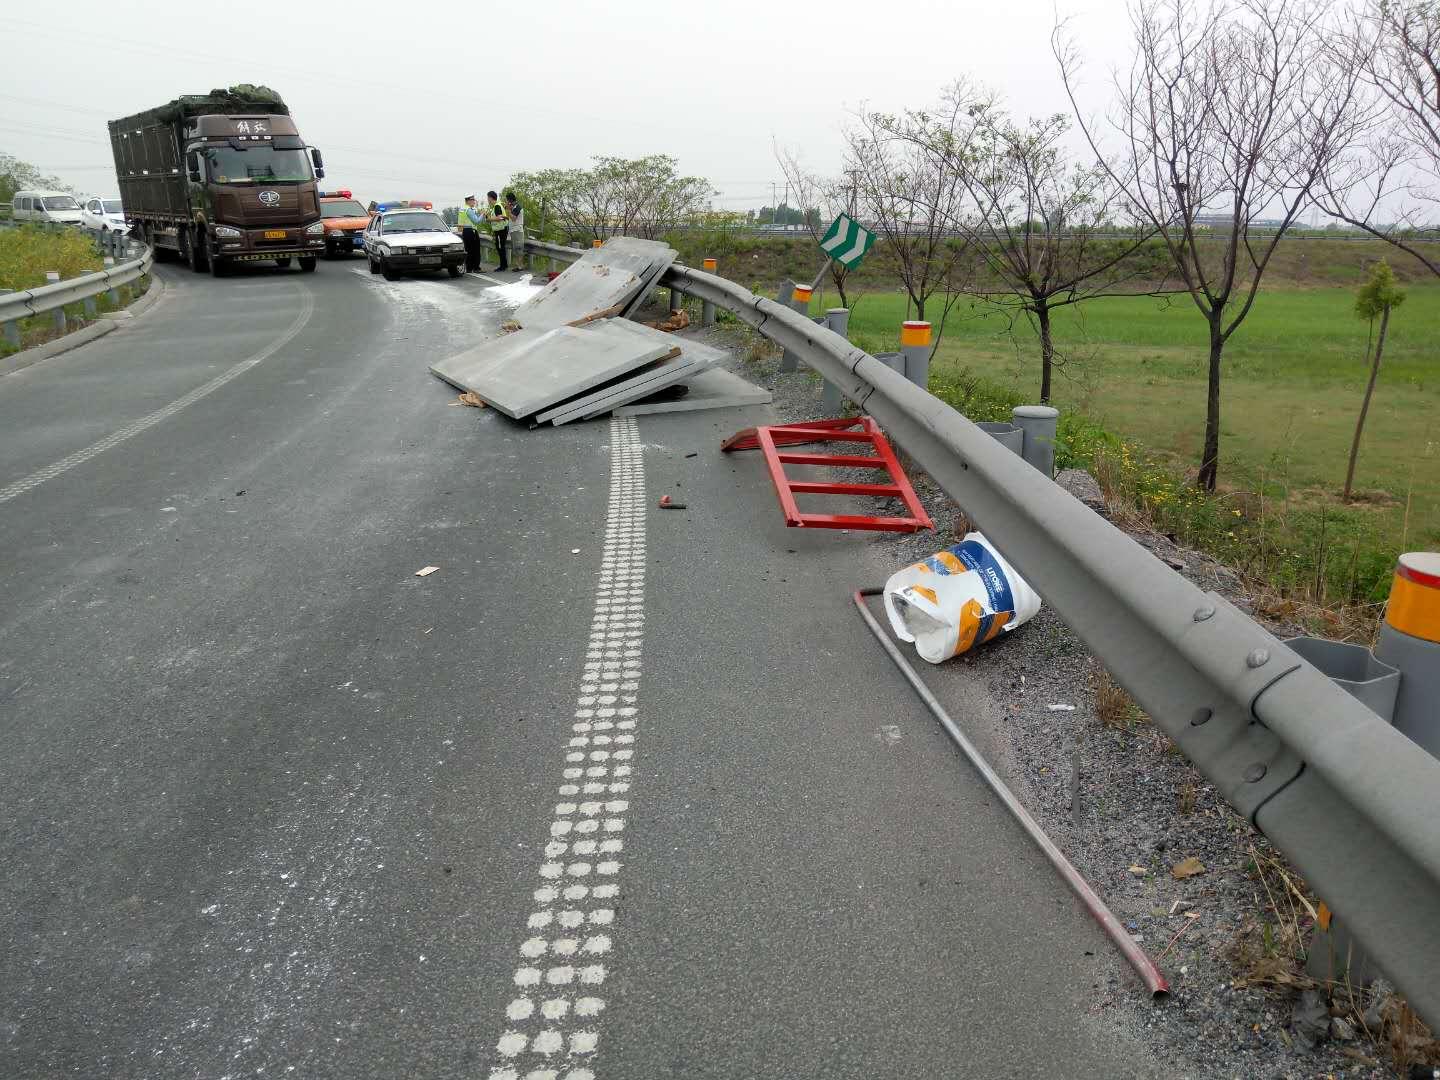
(1352, 802)
(30, 302)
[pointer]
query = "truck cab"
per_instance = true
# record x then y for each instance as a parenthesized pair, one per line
(254, 189)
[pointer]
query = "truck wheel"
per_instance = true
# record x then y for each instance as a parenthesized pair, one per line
(219, 267)
(385, 268)
(283, 262)
(307, 264)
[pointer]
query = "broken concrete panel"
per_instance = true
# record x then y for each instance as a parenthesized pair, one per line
(617, 275)
(715, 388)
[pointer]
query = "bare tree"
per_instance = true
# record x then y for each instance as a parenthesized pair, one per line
(1228, 116)
(910, 193)
(820, 199)
(1392, 178)
(1044, 225)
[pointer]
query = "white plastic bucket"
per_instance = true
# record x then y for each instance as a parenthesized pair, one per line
(958, 598)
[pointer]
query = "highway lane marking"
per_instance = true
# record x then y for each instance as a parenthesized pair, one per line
(551, 1023)
(129, 431)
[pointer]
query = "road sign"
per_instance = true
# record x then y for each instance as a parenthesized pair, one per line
(846, 241)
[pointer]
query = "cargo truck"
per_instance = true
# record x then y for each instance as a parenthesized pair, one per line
(221, 178)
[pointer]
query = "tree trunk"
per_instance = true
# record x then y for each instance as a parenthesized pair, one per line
(919, 310)
(1210, 454)
(1365, 402)
(1047, 349)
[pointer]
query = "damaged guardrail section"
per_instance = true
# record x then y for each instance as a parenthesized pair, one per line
(1353, 803)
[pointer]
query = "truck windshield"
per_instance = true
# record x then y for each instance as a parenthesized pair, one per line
(61, 202)
(262, 163)
(342, 208)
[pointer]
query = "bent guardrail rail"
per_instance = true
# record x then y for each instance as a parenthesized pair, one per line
(30, 302)
(1352, 802)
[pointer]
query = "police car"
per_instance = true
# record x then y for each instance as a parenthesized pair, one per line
(345, 219)
(409, 238)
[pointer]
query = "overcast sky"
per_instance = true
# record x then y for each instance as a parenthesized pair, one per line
(437, 99)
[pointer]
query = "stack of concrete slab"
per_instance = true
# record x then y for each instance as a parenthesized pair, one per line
(643, 382)
(614, 279)
(530, 371)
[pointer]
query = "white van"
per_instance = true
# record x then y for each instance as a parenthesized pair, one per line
(49, 207)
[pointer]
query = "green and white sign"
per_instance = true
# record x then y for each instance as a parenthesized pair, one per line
(846, 241)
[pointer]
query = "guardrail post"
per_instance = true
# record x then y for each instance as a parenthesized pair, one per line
(114, 295)
(1410, 640)
(707, 307)
(596, 243)
(798, 300)
(90, 307)
(1039, 423)
(1007, 435)
(12, 334)
(915, 346)
(837, 320)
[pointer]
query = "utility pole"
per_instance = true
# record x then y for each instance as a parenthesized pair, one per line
(774, 209)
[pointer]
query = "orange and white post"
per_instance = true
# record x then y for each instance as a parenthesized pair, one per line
(707, 309)
(1410, 640)
(915, 352)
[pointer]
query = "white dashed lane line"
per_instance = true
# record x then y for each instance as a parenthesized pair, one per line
(551, 1027)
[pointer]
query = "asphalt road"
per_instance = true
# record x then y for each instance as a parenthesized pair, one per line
(607, 795)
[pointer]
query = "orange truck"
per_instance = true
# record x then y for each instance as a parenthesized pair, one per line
(345, 219)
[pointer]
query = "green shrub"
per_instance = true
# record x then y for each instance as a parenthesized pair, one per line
(27, 252)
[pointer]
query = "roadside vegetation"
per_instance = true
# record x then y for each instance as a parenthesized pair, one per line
(26, 253)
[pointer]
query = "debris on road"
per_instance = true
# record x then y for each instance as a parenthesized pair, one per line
(667, 503)
(1138, 870)
(1060, 708)
(426, 571)
(767, 439)
(470, 398)
(889, 734)
(693, 453)
(618, 274)
(958, 598)
(1187, 868)
(574, 551)
(678, 320)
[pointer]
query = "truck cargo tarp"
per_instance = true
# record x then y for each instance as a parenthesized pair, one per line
(241, 98)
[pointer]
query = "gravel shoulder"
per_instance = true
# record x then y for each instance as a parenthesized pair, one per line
(1138, 808)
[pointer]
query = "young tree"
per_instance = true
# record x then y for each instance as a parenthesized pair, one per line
(910, 192)
(1227, 116)
(1393, 177)
(1043, 224)
(644, 197)
(1377, 298)
(823, 199)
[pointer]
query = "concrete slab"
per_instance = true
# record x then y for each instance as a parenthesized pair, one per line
(619, 274)
(641, 384)
(529, 371)
(715, 388)
(689, 347)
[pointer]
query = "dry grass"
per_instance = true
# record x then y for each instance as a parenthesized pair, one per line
(1270, 952)
(1186, 796)
(1113, 705)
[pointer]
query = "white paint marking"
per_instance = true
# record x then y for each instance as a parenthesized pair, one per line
(542, 1043)
(129, 431)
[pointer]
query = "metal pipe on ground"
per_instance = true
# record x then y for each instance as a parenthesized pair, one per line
(1144, 967)
(1039, 423)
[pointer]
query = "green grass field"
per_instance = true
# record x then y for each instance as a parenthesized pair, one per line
(1293, 378)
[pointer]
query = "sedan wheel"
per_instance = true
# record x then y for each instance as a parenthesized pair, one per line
(374, 266)
(390, 273)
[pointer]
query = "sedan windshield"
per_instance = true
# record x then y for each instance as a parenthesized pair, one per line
(112, 206)
(341, 208)
(422, 222)
(263, 163)
(61, 202)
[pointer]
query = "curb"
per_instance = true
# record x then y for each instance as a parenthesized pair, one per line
(105, 324)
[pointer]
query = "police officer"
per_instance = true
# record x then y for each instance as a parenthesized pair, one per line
(470, 220)
(499, 230)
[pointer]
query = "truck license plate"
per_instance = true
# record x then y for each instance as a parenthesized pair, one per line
(429, 260)
(274, 234)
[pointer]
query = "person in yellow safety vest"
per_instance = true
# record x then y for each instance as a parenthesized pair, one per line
(499, 230)
(470, 221)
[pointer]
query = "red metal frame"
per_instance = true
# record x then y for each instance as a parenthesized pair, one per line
(768, 439)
